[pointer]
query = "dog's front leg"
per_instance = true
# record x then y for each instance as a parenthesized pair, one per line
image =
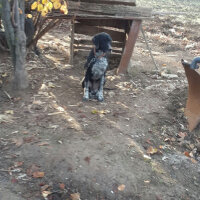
(86, 90)
(100, 92)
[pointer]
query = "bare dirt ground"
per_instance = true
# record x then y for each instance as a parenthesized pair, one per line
(134, 145)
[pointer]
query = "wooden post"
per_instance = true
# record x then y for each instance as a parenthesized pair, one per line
(72, 43)
(130, 43)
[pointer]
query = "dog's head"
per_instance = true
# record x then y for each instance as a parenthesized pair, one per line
(102, 42)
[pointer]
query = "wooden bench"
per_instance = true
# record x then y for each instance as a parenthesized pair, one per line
(119, 18)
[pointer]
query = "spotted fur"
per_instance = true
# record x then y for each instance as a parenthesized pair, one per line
(96, 67)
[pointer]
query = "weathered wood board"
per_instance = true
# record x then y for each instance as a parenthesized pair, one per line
(89, 43)
(115, 23)
(89, 10)
(118, 2)
(92, 30)
(103, 10)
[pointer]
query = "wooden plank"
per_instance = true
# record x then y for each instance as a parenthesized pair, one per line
(118, 2)
(130, 43)
(86, 52)
(93, 16)
(81, 8)
(91, 30)
(120, 24)
(113, 59)
(89, 43)
(86, 48)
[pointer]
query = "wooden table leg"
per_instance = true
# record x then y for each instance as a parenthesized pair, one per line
(130, 43)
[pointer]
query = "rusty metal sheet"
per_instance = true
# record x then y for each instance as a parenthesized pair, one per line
(192, 110)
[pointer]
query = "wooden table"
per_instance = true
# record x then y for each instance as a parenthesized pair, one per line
(119, 18)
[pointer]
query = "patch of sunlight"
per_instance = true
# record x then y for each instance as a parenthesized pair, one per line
(54, 59)
(71, 120)
(114, 124)
(74, 78)
(121, 104)
(160, 171)
(156, 167)
(132, 143)
(59, 109)
(125, 86)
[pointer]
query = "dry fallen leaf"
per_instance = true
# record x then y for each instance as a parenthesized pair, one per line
(18, 141)
(43, 144)
(147, 181)
(15, 99)
(173, 139)
(94, 111)
(167, 139)
(104, 111)
(6, 118)
(100, 111)
(121, 187)
(25, 132)
(191, 154)
(18, 164)
(51, 85)
(33, 168)
(186, 153)
(87, 159)
(182, 135)
(44, 187)
(38, 102)
(38, 174)
(193, 160)
(46, 193)
(11, 112)
(4, 75)
(43, 87)
(181, 110)
(75, 196)
(170, 139)
(152, 150)
(29, 139)
(148, 141)
(146, 158)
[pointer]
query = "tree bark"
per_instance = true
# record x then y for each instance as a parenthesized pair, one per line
(16, 38)
(0, 9)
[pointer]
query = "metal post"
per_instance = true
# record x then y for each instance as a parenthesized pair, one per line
(145, 39)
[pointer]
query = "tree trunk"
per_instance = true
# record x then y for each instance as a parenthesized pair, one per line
(16, 38)
(0, 10)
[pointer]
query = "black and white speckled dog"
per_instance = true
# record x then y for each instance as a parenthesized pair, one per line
(96, 67)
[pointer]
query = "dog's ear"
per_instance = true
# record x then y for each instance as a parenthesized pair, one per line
(95, 40)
